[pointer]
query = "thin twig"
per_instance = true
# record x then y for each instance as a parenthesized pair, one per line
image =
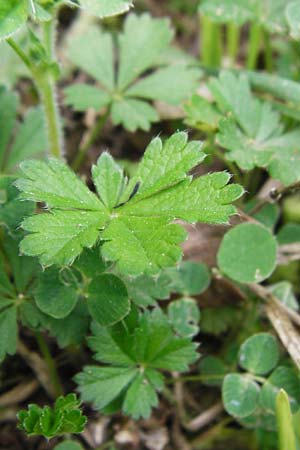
(205, 418)
(19, 393)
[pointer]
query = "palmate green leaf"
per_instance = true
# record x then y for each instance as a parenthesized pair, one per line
(30, 138)
(137, 232)
(140, 46)
(247, 253)
(253, 134)
(133, 353)
(64, 418)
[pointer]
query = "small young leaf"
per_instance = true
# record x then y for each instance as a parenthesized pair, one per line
(248, 253)
(259, 354)
(108, 299)
(184, 316)
(66, 417)
(240, 395)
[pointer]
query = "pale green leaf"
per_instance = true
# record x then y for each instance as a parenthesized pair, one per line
(171, 84)
(284, 291)
(30, 138)
(223, 11)
(184, 316)
(259, 354)
(93, 53)
(248, 253)
(142, 41)
(84, 96)
(202, 114)
(240, 395)
(106, 8)
(68, 445)
(8, 113)
(13, 14)
(292, 14)
(189, 278)
(133, 114)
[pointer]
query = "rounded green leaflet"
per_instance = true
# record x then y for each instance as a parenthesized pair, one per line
(56, 292)
(248, 253)
(282, 378)
(190, 278)
(184, 316)
(68, 445)
(240, 395)
(259, 354)
(108, 300)
(13, 14)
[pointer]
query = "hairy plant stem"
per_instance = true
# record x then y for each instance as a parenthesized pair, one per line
(230, 165)
(274, 196)
(233, 36)
(92, 136)
(253, 46)
(45, 83)
(198, 377)
(50, 363)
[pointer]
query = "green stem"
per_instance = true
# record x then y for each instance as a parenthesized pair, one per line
(196, 378)
(254, 46)
(46, 88)
(93, 135)
(50, 363)
(268, 52)
(233, 37)
(210, 42)
(45, 83)
(17, 49)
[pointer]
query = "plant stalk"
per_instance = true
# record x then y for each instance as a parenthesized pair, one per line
(254, 46)
(210, 42)
(50, 363)
(93, 135)
(233, 38)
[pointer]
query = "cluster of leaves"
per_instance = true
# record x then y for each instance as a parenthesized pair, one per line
(252, 132)
(65, 417)
(134, 351)
(141, 47)
(15, 13)
(250, 396)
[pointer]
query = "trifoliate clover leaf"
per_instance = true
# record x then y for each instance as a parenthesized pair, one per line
(30, 138)
(141, 44)
(184, 316)
(240, 395)
(133, 355)
(64, 418)
(145, 290)
(138, 232)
